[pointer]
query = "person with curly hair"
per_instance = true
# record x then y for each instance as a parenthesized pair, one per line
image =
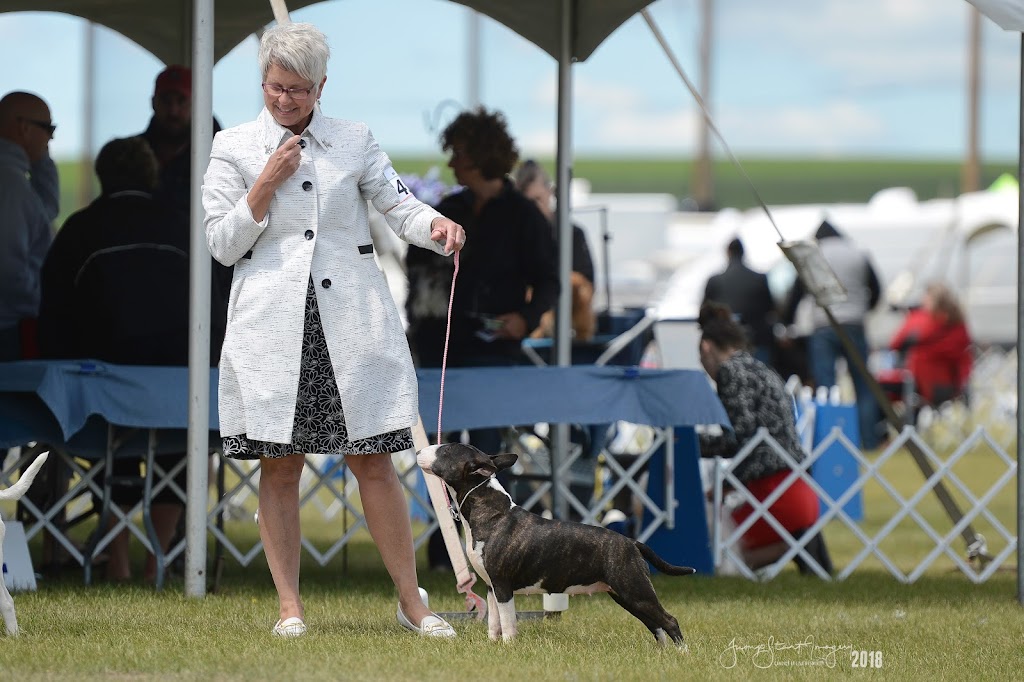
(508, 273)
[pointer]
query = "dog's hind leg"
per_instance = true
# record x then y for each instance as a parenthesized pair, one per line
(642, 602)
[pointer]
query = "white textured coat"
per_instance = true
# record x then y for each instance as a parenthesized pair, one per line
(317, 226)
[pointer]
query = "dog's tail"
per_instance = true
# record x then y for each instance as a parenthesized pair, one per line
(18, 489)
(661, 564)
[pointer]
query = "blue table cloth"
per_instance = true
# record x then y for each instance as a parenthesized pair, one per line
(483, 397)
(71, 403)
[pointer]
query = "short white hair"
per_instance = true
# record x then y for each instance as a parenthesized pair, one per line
(299, 48)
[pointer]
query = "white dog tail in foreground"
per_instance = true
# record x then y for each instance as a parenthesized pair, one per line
(15, 492)
(18, 490)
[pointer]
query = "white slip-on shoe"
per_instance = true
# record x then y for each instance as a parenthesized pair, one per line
(431, 626)
(290, 627)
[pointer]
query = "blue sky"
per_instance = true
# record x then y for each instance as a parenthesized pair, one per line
(817, 78)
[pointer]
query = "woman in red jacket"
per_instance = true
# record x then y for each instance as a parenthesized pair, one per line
(937, 343)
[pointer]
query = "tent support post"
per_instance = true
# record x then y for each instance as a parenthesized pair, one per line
(563, 357)
(1020, 329)
(199, 306)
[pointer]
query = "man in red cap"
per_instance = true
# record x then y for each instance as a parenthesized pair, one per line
(169, 131)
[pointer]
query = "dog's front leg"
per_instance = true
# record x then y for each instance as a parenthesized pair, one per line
(493, 619)
(506, 609)
(7, 609)
(6, 601)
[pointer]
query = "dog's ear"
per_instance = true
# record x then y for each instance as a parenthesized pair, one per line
(504, 460)
(479, 469)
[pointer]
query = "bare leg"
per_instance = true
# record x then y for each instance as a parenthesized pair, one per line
(279, 527)
(119, 565)
(387, 517)
(165, 521)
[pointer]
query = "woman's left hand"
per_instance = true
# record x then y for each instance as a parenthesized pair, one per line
(448, 231)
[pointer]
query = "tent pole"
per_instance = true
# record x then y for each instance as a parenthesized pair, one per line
(1020, 329)
(560, 441)
(199, 306)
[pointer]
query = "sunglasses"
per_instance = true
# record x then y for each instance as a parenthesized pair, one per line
(50, 128)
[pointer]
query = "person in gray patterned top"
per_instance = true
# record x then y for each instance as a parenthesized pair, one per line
(754, 396)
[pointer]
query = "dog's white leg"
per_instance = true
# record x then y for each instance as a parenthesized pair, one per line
(493, 618)
(6, 601)
(507, 613)
(7, 608)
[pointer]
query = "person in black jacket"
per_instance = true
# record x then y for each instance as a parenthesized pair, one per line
(508, 273)
(115, 287)
(746, 293)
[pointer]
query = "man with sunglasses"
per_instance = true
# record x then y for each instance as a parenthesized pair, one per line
(29, 202)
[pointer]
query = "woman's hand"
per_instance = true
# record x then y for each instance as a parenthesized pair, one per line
(513, 327)
(281, 165)
(448, 231)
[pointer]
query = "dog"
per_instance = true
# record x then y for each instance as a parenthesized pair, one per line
(518, 552)
(15, 492)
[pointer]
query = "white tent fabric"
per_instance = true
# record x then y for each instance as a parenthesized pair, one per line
(1009, 14)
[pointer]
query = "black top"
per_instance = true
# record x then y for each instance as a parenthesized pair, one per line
(509, 253)
(746, 293)
(115, 286)
(174, 154)
(581, 261)
(753, 396)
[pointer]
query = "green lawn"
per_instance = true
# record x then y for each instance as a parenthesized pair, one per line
(940, 627)
(779, 181)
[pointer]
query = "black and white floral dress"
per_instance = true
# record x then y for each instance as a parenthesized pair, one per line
(319, 421)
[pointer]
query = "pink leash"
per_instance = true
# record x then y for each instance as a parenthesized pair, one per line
(444, 357)
(473, 600)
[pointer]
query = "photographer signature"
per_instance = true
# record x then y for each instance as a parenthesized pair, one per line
(764, 655)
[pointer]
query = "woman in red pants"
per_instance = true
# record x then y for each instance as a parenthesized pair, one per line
(754, 396)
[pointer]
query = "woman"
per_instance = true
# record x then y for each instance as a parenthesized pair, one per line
(754, 396)
(938, 346)
(508, 276)
(314, 358)
(533, 181)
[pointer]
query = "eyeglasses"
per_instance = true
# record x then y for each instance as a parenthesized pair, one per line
(45, 125)
(297, 94)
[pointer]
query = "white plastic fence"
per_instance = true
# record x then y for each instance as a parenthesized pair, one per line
(726, 541)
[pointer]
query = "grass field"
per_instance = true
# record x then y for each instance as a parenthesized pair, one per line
(943, 626)
(779, 181)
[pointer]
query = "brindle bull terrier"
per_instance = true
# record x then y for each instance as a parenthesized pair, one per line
(519, 552)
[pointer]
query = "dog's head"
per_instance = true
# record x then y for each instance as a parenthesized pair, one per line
(462, 466)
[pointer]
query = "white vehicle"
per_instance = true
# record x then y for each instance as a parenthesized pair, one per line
(969, 242)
